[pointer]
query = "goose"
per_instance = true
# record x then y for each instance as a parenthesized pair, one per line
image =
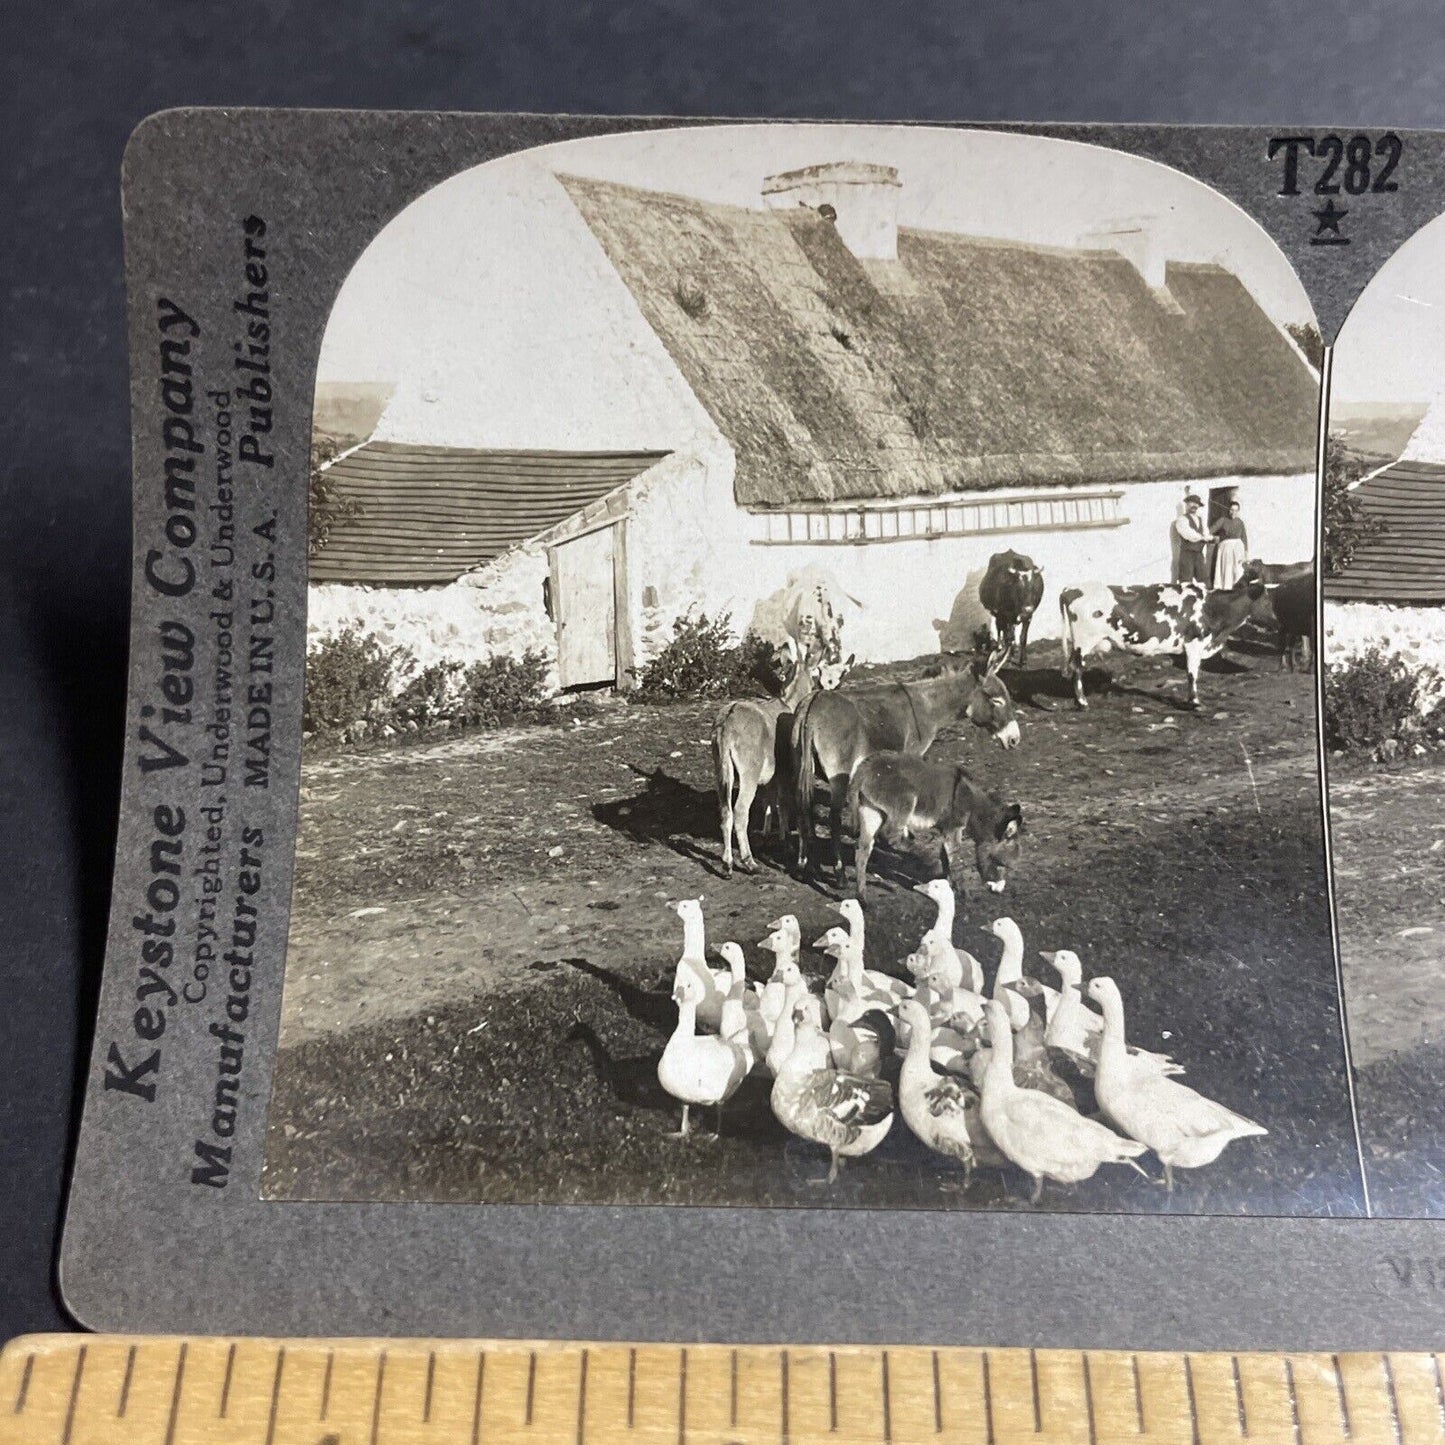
(860, 1045)
(954, 1004)
(1077, 1029)
(942, 1112)
(848, 1113)
(797, 1002)
(698, 1068)
(1181, 1126)
(759, 1031)
(940, 891)
(790, 928)
(770, 999)
(1011, 970)
(694, 964)
(1042, 1135)
(868, 984)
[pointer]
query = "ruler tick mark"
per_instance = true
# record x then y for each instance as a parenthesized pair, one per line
(376, 1398)
(74, 1396)
(682, 1398)
(477, 1398)
(226, 1381)
(1344, 1403)
(783, 1365)
(1138, 1394)
(937, 1398)
(733, 1403)
(1239, 1397)
(1439, 1392)
(431, 1376)
(832, 1393)
(988, 1399)
(326, 1384)
(124, 1401)
(1293, 1401)
(1034, 1380)
(30, 1369)
(1193, 1403)
(631, 1385)
(582, 1399)
(531, 1382)
(887, 1403)
(176, 1395)
(275, 1395)
(1394, 1399)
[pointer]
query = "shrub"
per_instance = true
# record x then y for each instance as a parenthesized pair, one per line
(504, 690)
(351, 679)
(436, 694)
(702, 659)
(325, 504)
(1370, 700)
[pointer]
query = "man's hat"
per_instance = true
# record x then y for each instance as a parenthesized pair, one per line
(1190, 500)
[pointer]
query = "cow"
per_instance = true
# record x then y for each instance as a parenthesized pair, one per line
(1273, 573)
(1156, 620)
(896, 793)
(750, 741)
(834, 731)
(1011, 590)
(1294, 614)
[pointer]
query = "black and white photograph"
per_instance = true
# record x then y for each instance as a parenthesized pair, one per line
(1383, 659)
(810, 692)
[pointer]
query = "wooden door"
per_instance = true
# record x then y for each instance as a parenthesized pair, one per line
(584, 590)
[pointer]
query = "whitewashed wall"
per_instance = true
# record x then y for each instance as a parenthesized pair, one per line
(1415, 634)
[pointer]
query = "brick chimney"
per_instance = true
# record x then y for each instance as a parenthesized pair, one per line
(859, 198)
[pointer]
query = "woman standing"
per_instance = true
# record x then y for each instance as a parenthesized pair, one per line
(1232, 551)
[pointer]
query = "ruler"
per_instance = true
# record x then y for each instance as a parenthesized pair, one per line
(122, 1390)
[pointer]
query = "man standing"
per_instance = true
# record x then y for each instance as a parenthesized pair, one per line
(1192, 539)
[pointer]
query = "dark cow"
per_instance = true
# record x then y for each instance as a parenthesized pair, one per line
(1011, 591)
(1273, 573)
(1294, 613)
(1158, 620)
(834, 731)
(895, 793)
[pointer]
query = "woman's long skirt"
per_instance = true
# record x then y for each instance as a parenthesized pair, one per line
(1229, 560)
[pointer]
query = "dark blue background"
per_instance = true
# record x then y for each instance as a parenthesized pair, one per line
(74, 80)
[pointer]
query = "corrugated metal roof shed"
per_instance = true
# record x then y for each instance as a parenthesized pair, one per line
(428, 514)
(1406, 563)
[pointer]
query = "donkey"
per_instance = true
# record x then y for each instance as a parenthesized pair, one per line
(895, 793)
(834, 731)
(750, 754)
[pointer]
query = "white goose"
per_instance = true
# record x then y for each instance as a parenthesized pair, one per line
(1077, 1029)
(1010, 971)
(772, 994)
(1181, 1126)
(1042, 1135)
(713, 985)
(942, 1112)
(940, 891)
(699, 1068)
(797, 1002)
(848, 1113)
(759, 1032)
(850, 983)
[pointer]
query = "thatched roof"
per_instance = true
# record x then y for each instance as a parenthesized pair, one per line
(967, 363)
(1406, 562)
(428, 514)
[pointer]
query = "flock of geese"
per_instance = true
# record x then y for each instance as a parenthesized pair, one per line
(1024, 1073)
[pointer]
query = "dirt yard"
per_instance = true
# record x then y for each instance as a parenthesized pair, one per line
(1389, 848)
(476, 991)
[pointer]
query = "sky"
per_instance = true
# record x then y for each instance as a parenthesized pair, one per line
(477, 256)
(1392, 345)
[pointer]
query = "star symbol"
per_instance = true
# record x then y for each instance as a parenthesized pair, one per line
(1329, 217)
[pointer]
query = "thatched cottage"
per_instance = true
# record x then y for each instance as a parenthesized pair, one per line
(828, 388)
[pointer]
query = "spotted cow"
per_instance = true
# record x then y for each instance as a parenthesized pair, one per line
(1157, 620)
(813, 615)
